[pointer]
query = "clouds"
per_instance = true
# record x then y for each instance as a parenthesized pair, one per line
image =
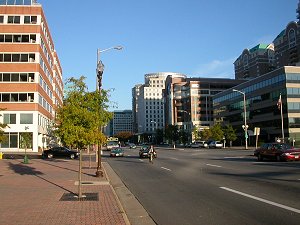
(216, 69)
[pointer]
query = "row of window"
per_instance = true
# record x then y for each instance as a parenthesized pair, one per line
(45, 69)
(47, 36)
(16, 77)
(43, 46)
(17, 19)
(18, 38)
(16, 2)
(45, 86)
(294, 106)
(14, 140)
(11, 118)
(16, 97)
(7, 57)
(157, 107)
(43, 102)
(274, 81)
(293, 91)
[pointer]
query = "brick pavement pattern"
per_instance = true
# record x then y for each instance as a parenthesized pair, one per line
(30, 194)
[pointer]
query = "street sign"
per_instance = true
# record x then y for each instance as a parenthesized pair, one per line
(256, 130)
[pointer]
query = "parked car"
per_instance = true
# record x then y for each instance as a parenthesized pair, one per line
(203, 144)
(60, 152)
(132, 145)
(277, 151)
(144, 152)
(195, 144)
(215, 144)
(117, 152)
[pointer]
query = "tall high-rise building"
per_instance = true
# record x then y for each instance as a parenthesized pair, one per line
(149, 106)
(31, 85)
(287, 46)
(255, 62)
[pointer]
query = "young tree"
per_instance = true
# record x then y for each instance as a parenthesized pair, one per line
(172, 133)
(2, 126)
(82, 114)
(217, 132)
(206, 134)
(229, 133)
(124, 135)
(26, 142)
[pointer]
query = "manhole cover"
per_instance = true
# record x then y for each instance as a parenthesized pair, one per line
(85, 197)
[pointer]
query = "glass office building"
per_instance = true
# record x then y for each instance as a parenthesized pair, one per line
(262, 95)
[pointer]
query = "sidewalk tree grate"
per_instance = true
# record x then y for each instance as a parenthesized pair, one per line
(67, 197)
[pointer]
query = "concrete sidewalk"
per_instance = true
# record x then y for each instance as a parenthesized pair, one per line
(44, 192)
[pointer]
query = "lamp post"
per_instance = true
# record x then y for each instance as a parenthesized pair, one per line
(99, 74)
(245, 126)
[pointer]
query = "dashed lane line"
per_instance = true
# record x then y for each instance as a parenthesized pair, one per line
(262, 200)
(165, 168)
(213, 165)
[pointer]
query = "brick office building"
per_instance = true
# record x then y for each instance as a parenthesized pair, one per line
(31, 84)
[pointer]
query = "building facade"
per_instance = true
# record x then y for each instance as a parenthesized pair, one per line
(188, 101)
(122, 122)
(262, 95)
(255, 62)
(31, 85)
(150, 102)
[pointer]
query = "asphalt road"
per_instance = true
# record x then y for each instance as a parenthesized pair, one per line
(205, 186)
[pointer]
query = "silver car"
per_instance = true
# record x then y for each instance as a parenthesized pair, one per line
(215, 144)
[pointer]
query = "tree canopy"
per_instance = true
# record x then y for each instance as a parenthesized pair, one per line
(82, 115)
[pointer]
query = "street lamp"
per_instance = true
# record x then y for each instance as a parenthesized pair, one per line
(99, 73)
(245, 126)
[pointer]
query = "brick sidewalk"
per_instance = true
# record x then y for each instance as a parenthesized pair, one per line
(31, 194)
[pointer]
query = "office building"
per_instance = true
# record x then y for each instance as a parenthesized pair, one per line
(255, 62)
(150, 113)
(31, 85)
(121, 122)
(262, 95)
(188, 101)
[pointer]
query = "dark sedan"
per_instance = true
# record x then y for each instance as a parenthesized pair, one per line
(277, 151)
(144, 152)
(60, 152)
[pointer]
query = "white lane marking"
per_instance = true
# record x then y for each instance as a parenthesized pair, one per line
(165, 168)
(213, 165)
(141, 160)
(235, 157)
(174, 158)
(262, 200)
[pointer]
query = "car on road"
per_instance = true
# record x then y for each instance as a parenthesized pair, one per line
(60, 152)
(203, 144)
(144, 152)
(195, 144)
(117, 152)
(215, 144)
(277, 151)
(132, 145)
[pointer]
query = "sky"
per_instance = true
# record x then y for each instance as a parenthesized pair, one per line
(198, 38)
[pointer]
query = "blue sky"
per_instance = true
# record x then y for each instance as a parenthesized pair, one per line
(199, 38)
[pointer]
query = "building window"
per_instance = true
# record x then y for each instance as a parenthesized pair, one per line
(13, 19)
(26, 118)
(1, 19)
(11, 140)
(292, 38)
(9, 118)
(30, 19)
